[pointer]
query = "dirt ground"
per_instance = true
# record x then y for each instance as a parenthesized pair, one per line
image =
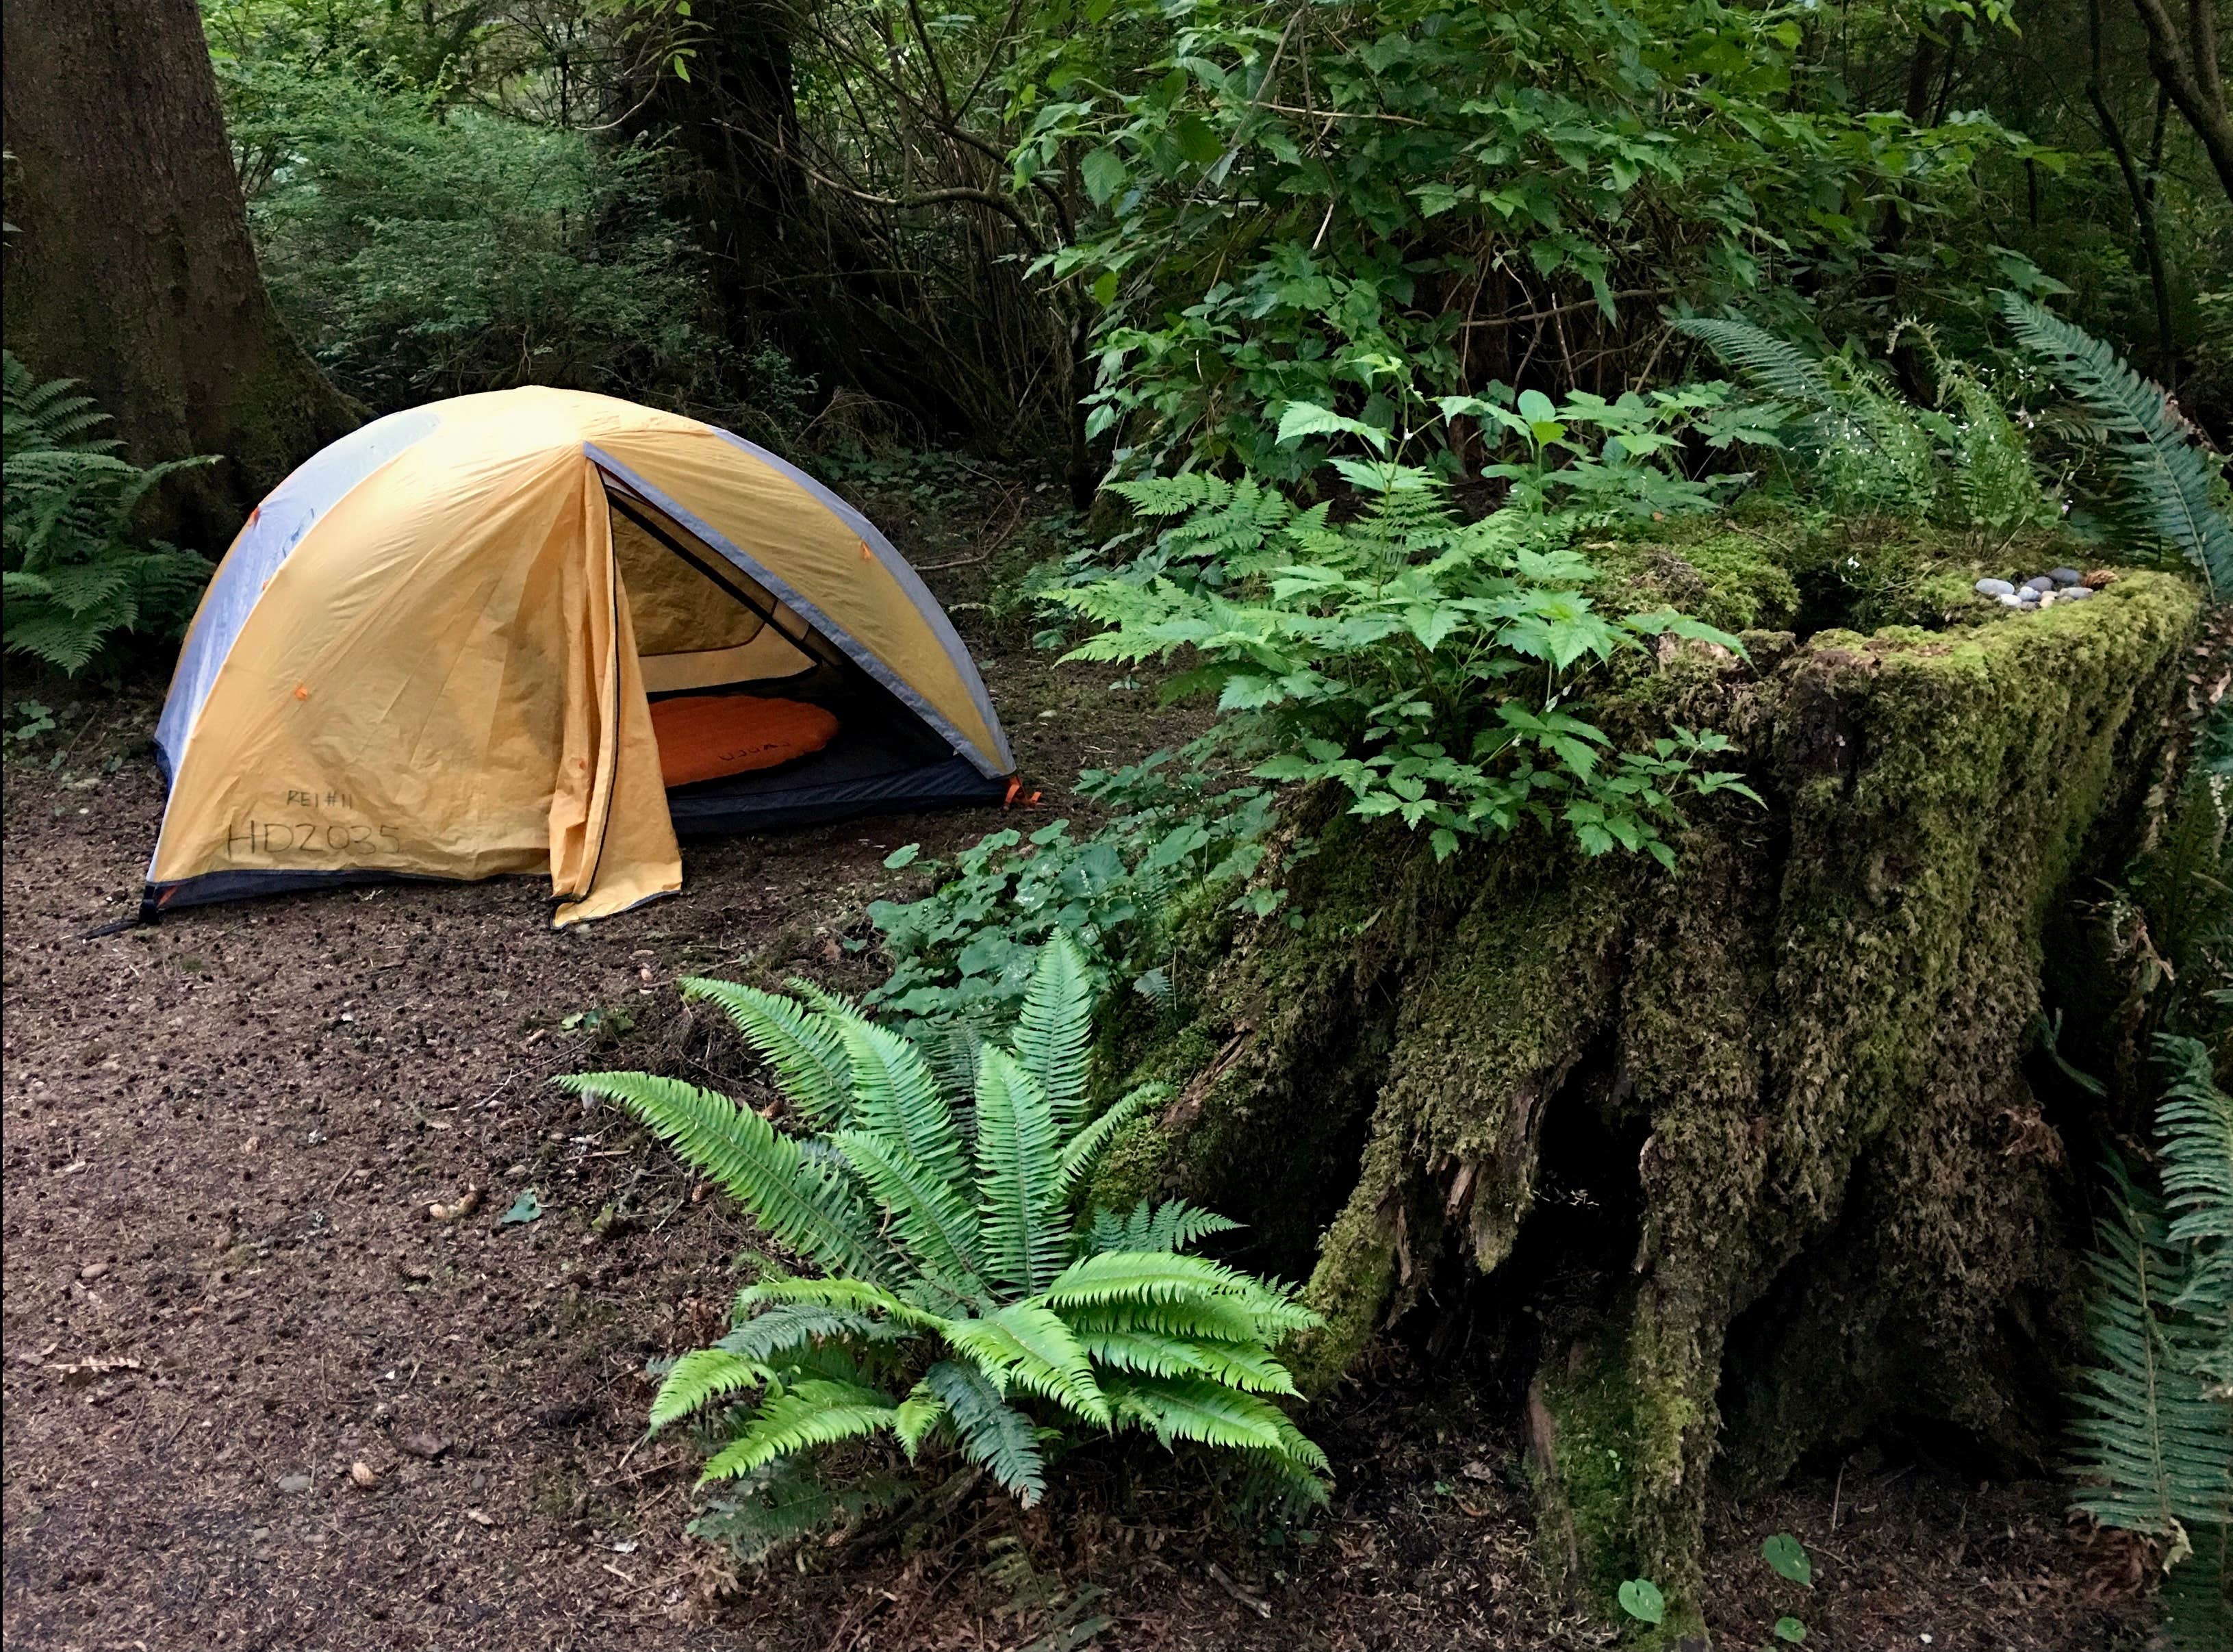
(226, 1303)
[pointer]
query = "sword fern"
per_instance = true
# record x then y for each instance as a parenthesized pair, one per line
(966, 1303)
(2154, 1430)
(2168, 492)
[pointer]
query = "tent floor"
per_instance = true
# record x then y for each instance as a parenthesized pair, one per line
(850, 778)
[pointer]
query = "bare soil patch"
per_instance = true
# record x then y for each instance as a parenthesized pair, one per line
(257, 1396)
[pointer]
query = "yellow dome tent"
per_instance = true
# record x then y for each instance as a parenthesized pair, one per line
(441, 647)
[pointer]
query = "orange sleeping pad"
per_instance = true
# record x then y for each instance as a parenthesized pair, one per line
(708, 737)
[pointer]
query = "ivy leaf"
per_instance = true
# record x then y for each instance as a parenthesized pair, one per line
(1791, 1629)
(1788, 1556)
(900, 857)
(525, 1208)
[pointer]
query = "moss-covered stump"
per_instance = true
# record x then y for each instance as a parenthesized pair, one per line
(1723, 1164)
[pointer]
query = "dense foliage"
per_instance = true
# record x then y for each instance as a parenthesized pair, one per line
(1297, 206)
(963, 1298)
(78, 579)
(1426, 664)
(419, 257)
(422, 244)
(964, 952)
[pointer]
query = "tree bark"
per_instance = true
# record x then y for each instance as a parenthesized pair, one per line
(1717, 1166)
(2142, 192)
(130, 266)
(786, 265)
(2187, 68)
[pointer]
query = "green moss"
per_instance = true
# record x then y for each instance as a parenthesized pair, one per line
(1596, 1439)
(1131, 1167)
(1357, 1266)
(1734, 576)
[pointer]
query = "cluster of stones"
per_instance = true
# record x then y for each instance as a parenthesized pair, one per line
(2042, 590)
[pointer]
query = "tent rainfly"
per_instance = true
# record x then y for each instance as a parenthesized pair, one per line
(540, 630)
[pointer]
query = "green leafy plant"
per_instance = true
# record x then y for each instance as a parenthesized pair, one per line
(1788, 1558)
(2154, 1435)
(76, 578)
(1296, 206)
(1867, 449)
(423, 251)
(966, 951)
(1641, 1599)
(33, 718)
(1433, 667)
(963, 1299)
(603, 1028)
(2169, 491)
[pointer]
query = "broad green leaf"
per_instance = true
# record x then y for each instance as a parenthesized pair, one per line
(1788, 1556)
(1641, 1599)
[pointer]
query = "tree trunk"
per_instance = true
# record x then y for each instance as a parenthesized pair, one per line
(787, 264)
(129, 265)
(2186, 67)
(1716, 1166)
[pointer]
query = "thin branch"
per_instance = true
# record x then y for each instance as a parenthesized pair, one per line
(1554, 311)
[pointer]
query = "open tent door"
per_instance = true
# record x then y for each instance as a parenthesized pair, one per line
(815, 734)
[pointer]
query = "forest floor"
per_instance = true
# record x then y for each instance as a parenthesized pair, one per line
(224, 1292)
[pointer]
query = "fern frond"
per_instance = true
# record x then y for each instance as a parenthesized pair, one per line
(2194, 1128)
(798, 1202)
(1209, 1414)
(1154, 1354)
(1018, 1175)
(1162, 1277)
(1220, 1320)
(2155, 1453)
(2162, 468)
(951, 1047)
(917, 1415)
(804, 1048)
(813, 1414)
(785, 1329)
(2198, 1595)
(1055, 1026)
(1771, 364)
(1024, 1345)
(1155, 1276)
(1079, 1153)
(1172, 1225)
(703, 1375)
(838, 1004)
(990, 1430)
(931, 1218)
(759, 1512)
(896, 1095)
(845, 1295)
